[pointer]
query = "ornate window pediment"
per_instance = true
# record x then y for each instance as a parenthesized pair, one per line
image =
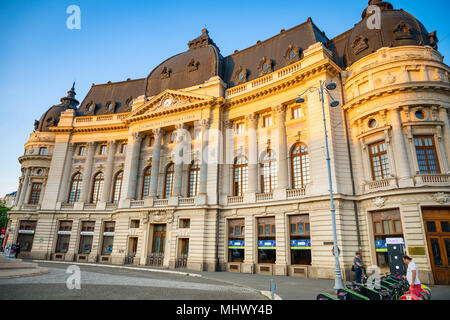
(360, 44)
(241, 75)
(165, 73)
(292, 54)
(265, 66)
(90, 108)
(129, 103)
(110, 106)
(402, 31)
(193, 65)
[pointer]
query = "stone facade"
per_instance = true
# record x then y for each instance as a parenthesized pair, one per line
(392, 95)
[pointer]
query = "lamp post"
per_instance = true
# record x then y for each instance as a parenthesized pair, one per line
(325, 87)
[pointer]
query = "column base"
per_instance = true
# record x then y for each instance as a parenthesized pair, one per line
(250, 197)
(279, 194)
(248, 268)
(200, 200)
(148, 202)
(405, 182)
(173, 201)
(125, 203)
(101, 206)
(280, 269)
(78, 206)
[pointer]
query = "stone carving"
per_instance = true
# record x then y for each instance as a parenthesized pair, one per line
(402, 31)
(165, 73)
(193, 65)
(360, 44)
(265, 66)
(437, 76)
(241, 75)
(379, 201)
(163, 216)
(440, 197)
(389, 78)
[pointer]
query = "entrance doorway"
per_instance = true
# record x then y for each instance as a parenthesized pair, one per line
(156, 257)
(437, 226)
(183, 252)
(132, 249)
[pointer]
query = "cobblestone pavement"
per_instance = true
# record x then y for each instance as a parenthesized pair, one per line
(110, 283)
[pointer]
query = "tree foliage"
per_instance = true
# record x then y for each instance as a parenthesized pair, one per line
(3, 215)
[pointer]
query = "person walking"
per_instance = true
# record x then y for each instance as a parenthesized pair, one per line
(412, 275)
(358, 267)
(16, 253)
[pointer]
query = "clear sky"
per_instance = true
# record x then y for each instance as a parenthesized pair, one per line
(40, 57)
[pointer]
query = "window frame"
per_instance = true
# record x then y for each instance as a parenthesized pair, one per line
(98, 182)
(267, 164)
(35, 194)
(240, 168)
(146, 181)
(303, 175)
(117, 177)
(78, 179)
(193, 185)
(425, 154)
(384, 172)
(170, 166)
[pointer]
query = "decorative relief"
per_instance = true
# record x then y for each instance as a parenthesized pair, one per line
(379, 201)
(440, 197)
(163, 216)
(437, 75)
(292, 54)
(240, 75)
(388, 79)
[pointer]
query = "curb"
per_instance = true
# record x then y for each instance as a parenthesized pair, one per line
(189, 274)
(26, 275)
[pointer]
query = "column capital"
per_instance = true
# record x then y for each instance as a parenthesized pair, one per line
(111, 142)
(228, 124)
(136, 136)
(252, 120)
(90, 144)
(158, 132)
(279, 110)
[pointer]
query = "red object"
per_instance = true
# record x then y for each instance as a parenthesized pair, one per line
(3, 231)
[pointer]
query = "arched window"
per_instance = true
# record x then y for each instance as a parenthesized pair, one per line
(300, 166)
(146, 182)
(168, 183)
(117, 188)
(240, 176)
(75, 187)
(269, 172)
(97, 188)
(194, 179)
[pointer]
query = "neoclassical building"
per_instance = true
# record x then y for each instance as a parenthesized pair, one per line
(209, 163)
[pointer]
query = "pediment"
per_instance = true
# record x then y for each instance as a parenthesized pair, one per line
(169, 101)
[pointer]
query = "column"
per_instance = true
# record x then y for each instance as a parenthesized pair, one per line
(109, 171)
(204, 164)
(24, 189)
(443, 116)
(132, 164)
(252, 125)
(158, 133)
(250, 245)
(66, 175)
(280, 114)
(178, 160)
(402, 162)
(228, 161)
(87, 172)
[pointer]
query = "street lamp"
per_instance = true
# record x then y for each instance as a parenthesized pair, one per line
(323, 86)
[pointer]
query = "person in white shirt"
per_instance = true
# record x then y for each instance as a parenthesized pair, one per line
(412, 275)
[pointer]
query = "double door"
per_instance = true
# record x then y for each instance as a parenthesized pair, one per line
(437, 226)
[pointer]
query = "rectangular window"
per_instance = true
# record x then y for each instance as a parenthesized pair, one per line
(386, 224)
(26, 235)
(82, 151)
(65, 226)
(35, 193)
(109, 226)
(103, 149)
(379, 160)
(185, 223)
(426, 155)
(135, 223)
(240, 128)
(267, 121)
(266, 240)
(300, 240)
(43, 151)
(236, 240)
(88, 226)
(296, 112)
(123, 148)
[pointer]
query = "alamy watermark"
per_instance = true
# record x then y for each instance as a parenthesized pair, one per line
(74, 280)
(74, 20)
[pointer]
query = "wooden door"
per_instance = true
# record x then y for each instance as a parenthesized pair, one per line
(159, 238)
(437, 226)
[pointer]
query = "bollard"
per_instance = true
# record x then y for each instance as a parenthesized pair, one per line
(272, 288)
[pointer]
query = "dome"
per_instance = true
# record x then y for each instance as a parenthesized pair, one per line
(193, 67)
(51, 117)
(394, 28)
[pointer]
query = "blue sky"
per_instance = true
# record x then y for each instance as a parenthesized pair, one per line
(40, 57)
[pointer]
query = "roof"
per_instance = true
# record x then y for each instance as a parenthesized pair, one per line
(119, 93)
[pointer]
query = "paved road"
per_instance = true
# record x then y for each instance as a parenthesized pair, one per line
(111, 283)
(115, 283)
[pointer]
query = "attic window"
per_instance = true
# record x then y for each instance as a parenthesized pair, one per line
(241, 76)
(90, 107)
(360, 44)
(110, 107)
(266, 66)
(292, 54)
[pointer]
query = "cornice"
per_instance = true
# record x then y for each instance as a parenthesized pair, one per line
(300, 76)
(392, 89)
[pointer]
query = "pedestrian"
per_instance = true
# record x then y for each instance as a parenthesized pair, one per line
(358, 267)
(412, 275)
(16, 253)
